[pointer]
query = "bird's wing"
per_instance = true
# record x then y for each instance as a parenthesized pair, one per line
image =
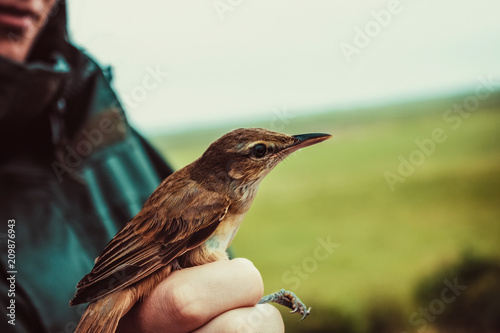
(167, 227)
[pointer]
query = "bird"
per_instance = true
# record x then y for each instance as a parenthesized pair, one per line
(189, 220)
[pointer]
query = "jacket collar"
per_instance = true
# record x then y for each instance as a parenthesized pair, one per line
(29, 90)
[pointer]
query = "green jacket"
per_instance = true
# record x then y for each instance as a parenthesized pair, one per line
(72, 173)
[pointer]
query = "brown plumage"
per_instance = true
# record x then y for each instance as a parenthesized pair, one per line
(189, 220)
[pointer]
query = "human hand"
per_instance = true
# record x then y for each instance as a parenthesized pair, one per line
(217, 297)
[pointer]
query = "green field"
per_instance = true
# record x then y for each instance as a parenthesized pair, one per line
(386, 240)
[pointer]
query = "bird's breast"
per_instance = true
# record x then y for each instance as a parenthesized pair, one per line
(228, 227)
(225, 232)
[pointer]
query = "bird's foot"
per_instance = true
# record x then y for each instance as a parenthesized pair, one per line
(288, 299)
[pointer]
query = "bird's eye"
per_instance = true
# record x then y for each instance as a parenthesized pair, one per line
(259, 150)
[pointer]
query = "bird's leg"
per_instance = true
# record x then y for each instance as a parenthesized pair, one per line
(288, 299)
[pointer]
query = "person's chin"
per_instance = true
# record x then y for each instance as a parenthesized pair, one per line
(12, 33)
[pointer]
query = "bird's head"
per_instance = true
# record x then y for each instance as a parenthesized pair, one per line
(245, 156)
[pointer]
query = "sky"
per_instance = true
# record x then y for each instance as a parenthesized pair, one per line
(179, 64)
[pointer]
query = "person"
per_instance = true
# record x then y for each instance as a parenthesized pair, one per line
(73, 171)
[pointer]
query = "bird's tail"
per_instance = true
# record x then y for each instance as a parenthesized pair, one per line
(103, 315)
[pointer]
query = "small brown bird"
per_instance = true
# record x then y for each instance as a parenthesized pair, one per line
(189, 220)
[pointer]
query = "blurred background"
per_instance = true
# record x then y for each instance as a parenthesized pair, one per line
(391, 226)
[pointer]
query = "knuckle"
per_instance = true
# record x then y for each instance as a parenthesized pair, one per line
(184, 306)
(243, 263)
(274, 320)
(253, 277)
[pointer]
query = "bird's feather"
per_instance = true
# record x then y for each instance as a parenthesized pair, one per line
(168, 226)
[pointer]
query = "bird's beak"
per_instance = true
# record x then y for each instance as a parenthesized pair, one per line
(306, 140)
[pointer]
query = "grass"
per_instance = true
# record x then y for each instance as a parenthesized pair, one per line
(388, 240)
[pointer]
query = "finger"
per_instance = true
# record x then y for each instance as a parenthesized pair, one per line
(262, 318)
(191, 297)
(196, 295)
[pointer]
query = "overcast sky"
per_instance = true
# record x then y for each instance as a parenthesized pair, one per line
(179, 63)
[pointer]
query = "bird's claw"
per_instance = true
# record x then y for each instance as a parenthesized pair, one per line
(299, 307)
(302, 311)
(288, 299)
